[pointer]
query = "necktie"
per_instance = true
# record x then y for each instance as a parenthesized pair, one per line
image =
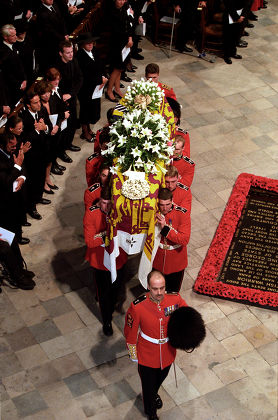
(52, 9)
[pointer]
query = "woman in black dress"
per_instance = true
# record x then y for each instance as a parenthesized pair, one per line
(91, 68)
(121, 36)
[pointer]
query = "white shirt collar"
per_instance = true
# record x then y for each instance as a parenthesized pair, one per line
(33, 113)
(48, 7)
(90, 54)
(8, 45)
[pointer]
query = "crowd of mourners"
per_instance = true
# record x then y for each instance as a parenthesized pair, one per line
(36, 41)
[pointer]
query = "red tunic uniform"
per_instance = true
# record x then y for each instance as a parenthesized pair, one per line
(93, 163)
(185, 135)
(171, 255)
(96, 142)
(186, 168)
(152, 318)
(95, 226)
(182, 196)
(168, 90)
(92, 195)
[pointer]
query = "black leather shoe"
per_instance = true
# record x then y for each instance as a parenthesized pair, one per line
(245, 33)
(228, 60)
(134, 67)
(129, 71)
(28, 273)
(237, 57)
(35, 215)
(26, 224)
(65, 158)
(48, 191)
(56, 171)
(137, 56)
(242, 44)
(23, 241)
(249, 25)
(53, 187)
(187, 49)
(25, 283)
(110, 99)
(127, 79)
(107, 330)
(44, 201)
(74, 148)
(138, 50)
(252, 16)
(158, 402)
(88, 137)
(61, 167)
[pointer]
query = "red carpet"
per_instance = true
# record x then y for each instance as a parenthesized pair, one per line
(242, 261)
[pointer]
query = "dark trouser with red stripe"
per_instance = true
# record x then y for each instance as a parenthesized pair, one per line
(108, 292)
(173, 281)
(151, 379)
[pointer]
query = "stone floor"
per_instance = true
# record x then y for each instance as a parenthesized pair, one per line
(55, 362)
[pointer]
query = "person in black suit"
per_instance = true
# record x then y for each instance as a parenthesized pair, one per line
(231, 31)
(71, 82)
(12, 179)
(12, 67)
(52, 30)
(5, 109)
(37, 127)
(27, 54)
(92, 70)
(60, 107)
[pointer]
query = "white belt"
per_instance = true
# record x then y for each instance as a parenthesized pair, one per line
(169, 247)
(154, 340)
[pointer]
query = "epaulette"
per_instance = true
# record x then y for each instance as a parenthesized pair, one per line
(94, 187)
(172, 293)
(182, 131)
(164, 86)
(92, 208)
(139, 299)
(188, 160)
(94, 155)
(182, 209)
(182, 186)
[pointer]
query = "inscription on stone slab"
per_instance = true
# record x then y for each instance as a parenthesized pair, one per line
(252, 259)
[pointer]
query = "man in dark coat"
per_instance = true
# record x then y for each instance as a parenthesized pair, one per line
(12, 178)
(71, 82)
(52, 30)
(12, 67)
(234, 15)
(37, 127)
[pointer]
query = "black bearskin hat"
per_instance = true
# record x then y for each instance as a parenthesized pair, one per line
(186, 328)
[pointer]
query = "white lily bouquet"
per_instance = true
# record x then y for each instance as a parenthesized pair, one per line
(142, 94)
(139, 142)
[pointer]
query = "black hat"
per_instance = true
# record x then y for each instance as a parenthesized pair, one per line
(21, 26)
(186, 328)
(86, 38)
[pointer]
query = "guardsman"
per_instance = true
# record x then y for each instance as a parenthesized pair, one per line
(152, 73)
(171, 255)
(146, 338)
(181, 193)
(176, 108)
(95, 160)
(92, 194)
(183, 163)
(95, 228)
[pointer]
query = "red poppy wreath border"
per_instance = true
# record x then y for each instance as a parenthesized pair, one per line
(206, 282)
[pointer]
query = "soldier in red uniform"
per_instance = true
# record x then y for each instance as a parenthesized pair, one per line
(171, 255)
(95, 227)
(150, 315)
(181, 193)
(152, 73)
(110, 120)
(94, 161)
(184, 164)
(176, 108)
(92, 194)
